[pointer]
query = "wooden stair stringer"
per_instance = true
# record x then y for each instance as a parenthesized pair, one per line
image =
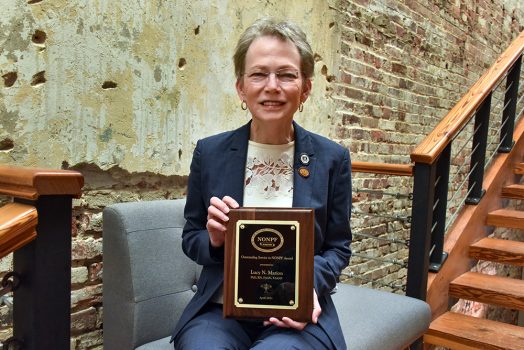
(469, 227)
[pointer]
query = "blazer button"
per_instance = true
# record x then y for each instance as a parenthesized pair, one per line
(194, 288)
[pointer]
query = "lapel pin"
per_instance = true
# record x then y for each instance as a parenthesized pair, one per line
(304, 159)
(303, 171)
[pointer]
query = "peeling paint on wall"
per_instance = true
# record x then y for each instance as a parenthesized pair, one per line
(135, 84)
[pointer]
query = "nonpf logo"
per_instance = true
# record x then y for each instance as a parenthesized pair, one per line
(267, 240)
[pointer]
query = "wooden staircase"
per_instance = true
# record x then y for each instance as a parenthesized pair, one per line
(458, 331)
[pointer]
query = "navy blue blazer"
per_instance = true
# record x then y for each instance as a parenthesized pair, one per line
(218, 169)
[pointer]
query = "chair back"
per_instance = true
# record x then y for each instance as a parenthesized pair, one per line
(148, 280)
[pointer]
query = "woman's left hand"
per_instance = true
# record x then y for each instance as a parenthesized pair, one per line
(287, 322)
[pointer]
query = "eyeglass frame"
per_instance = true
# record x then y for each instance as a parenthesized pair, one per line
(278, 76)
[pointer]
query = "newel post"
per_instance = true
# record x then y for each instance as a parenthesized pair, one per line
(42, 302)
(421, 224)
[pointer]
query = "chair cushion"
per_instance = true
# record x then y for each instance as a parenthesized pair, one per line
(161, 344)
(376, 320)
(370, 319)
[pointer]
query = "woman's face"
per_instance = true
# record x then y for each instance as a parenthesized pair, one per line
(272, 85)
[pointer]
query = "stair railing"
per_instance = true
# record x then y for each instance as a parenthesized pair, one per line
(36, 227)
(449, 164)
(432, 161)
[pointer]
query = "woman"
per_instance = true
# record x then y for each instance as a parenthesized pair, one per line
(271, 161)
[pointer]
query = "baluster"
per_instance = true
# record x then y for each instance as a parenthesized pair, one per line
(478, 154)
(510, 107)
(438, 256)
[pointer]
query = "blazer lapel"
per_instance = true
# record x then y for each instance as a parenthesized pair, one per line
(235, 168)
(303, 183)
(234, 172)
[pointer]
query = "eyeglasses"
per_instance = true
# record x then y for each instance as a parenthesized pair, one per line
(283, 76)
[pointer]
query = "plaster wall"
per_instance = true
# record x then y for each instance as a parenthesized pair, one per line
(121, 91)
(135, 83)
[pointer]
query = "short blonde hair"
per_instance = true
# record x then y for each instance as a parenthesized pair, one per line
(284, 30)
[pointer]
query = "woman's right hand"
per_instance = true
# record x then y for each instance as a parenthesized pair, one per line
(217, 219)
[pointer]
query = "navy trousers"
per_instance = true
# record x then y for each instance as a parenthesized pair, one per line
(208, 330)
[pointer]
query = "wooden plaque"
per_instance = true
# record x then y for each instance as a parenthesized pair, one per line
(268, 263)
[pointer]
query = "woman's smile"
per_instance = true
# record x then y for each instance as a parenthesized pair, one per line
(272, 103)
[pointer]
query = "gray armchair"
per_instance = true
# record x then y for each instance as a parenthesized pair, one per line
(148, 280)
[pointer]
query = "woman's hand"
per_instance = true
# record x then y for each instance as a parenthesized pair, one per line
(217, 219)
(287, 322)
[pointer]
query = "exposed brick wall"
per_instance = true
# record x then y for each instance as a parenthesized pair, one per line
(403, 66)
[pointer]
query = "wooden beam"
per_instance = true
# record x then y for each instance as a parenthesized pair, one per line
(463, 332)
(519, 168)
(508, 218)
(489, 289)
(498, 250)
(514, 191)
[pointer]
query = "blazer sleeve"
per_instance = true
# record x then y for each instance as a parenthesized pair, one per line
(335, 253)
(195, 237)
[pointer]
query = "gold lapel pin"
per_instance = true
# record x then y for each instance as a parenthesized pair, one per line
(303, 171)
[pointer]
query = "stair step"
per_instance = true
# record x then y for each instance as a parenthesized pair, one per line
(497, 290)
(514, 191)
(519, 169)
(498, 250)
(459, 331)
(506, 218)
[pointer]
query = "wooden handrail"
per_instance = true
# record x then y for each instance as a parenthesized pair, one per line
(429, 149)
(17, 226)
(382, 168)
(32, 183)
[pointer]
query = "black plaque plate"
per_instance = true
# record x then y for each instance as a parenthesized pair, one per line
(268, 268)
